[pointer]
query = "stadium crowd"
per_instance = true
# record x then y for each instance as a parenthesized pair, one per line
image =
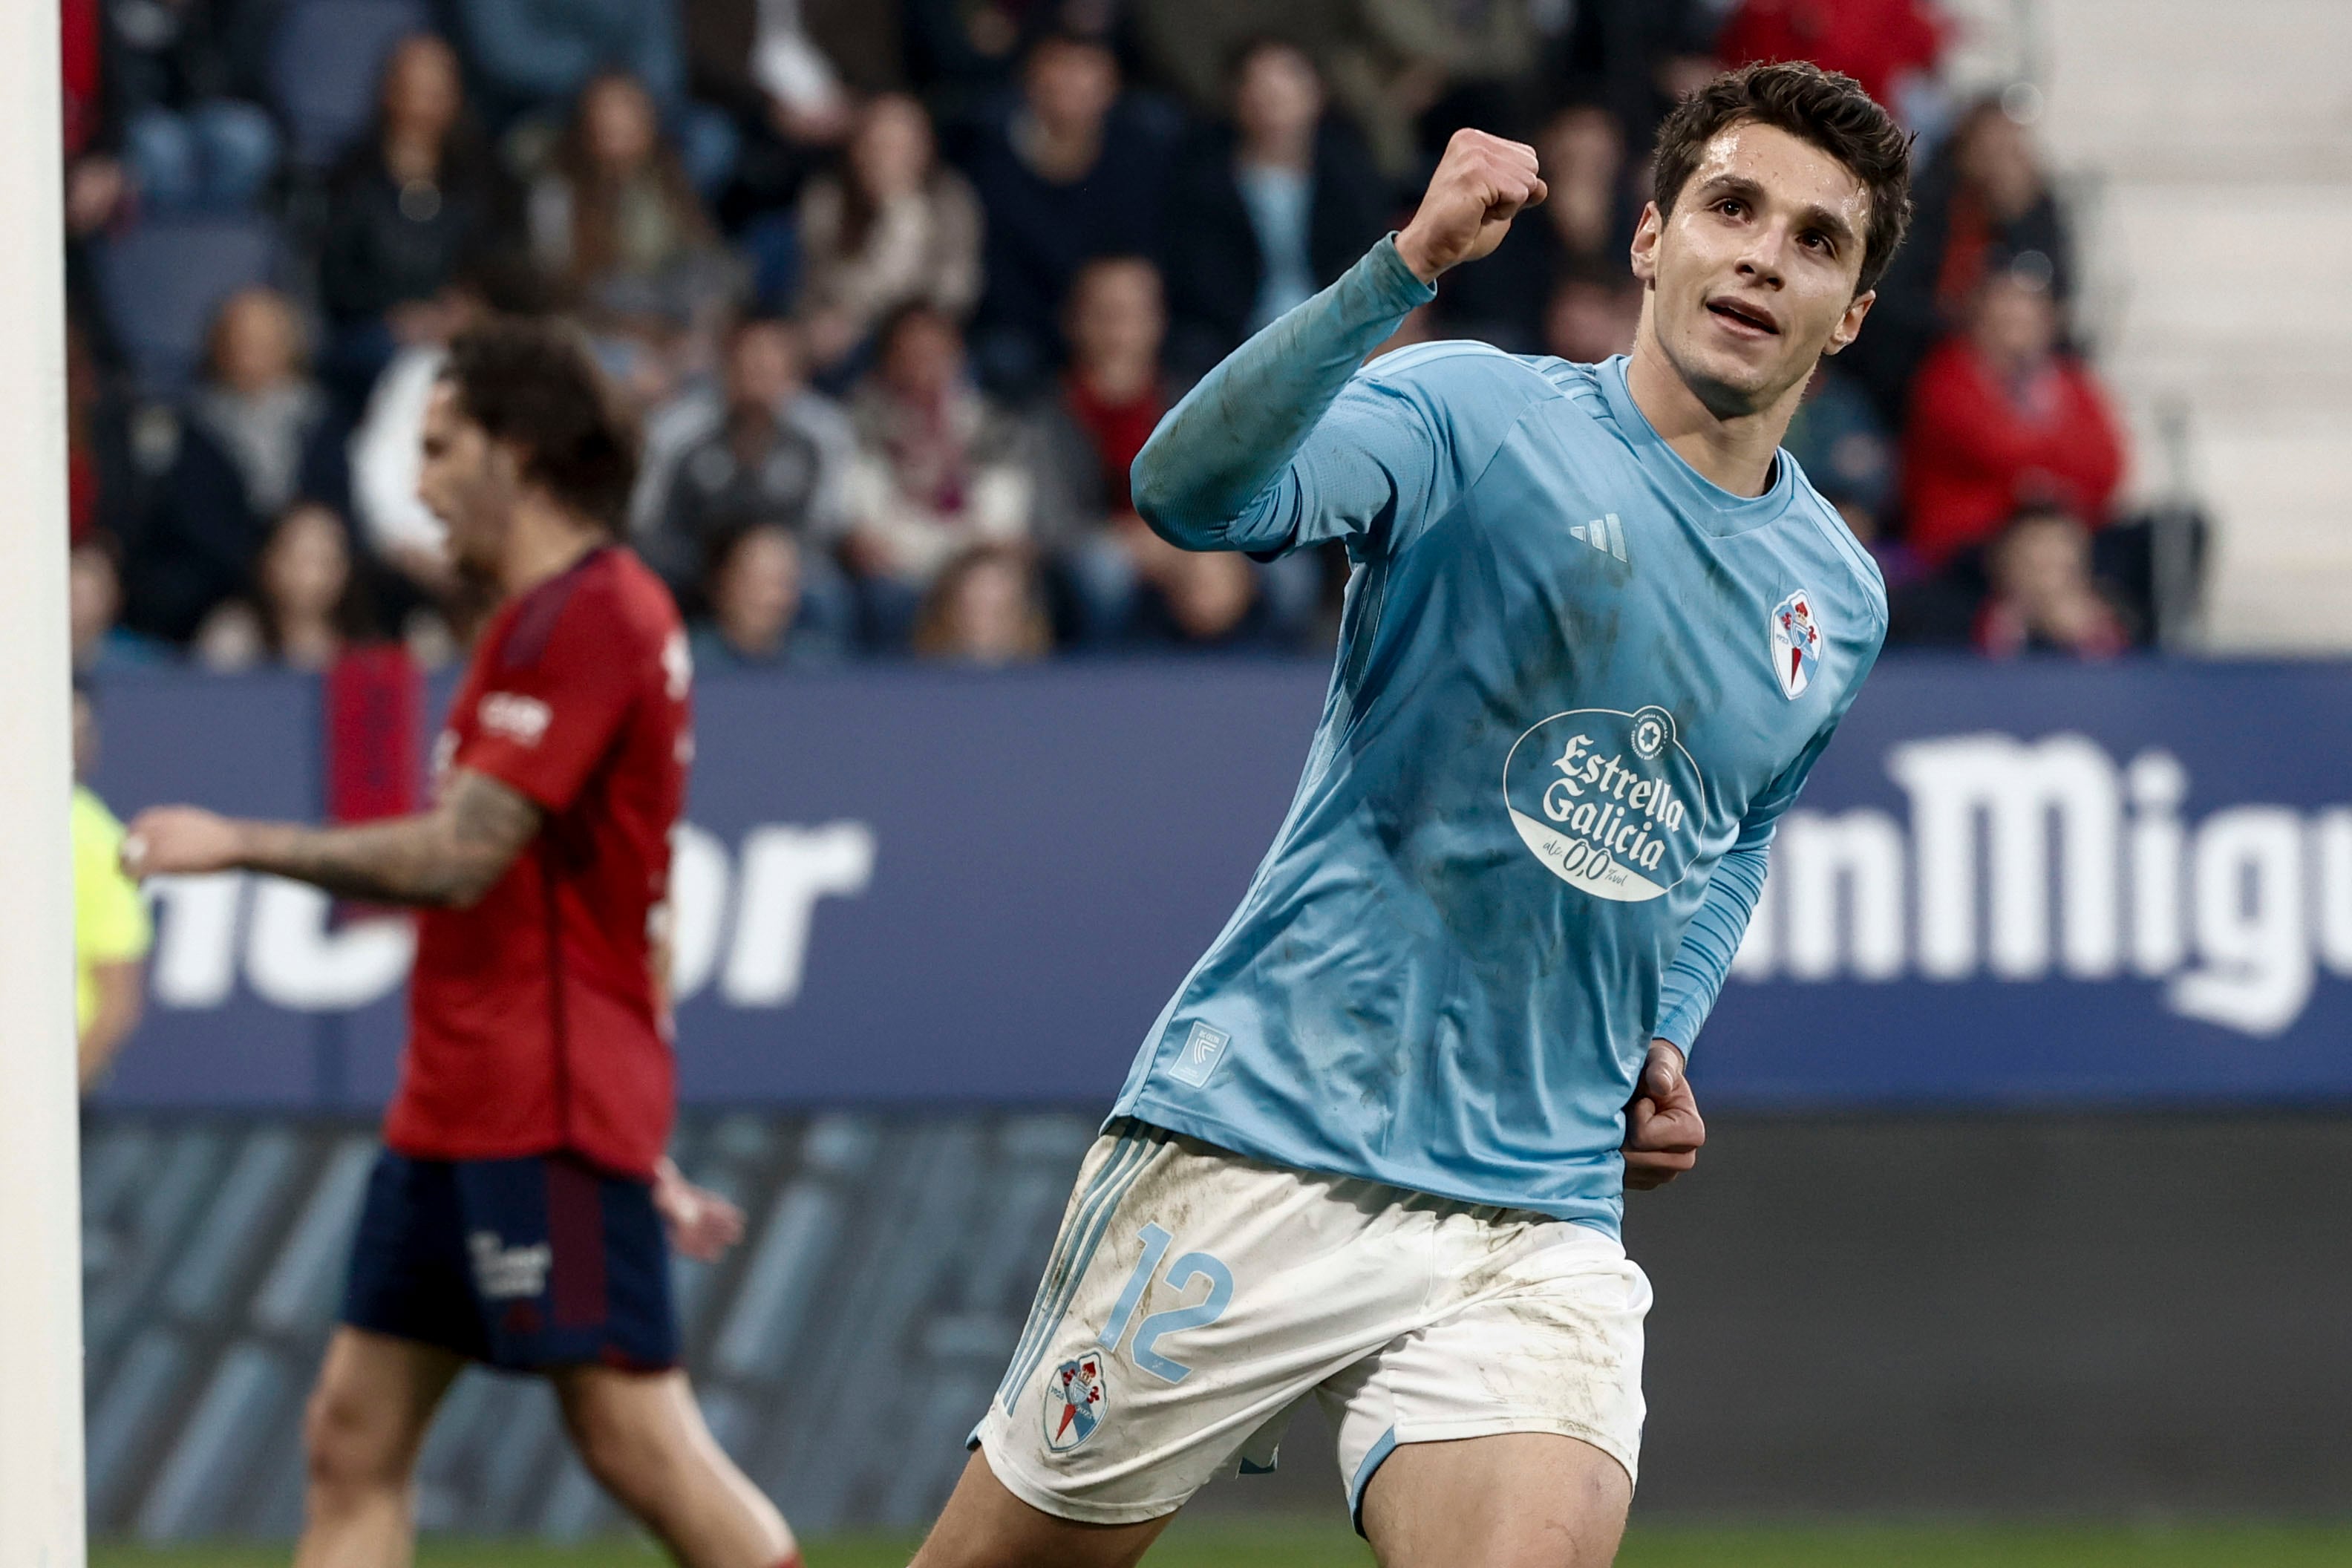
(898, 292)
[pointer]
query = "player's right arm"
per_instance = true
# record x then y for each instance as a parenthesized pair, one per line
(1248, 461)
(447, 857)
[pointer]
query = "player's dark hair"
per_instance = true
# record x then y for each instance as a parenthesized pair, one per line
(1824, 108)
(533, 383)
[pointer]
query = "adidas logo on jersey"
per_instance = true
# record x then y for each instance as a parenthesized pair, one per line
(1605, 534)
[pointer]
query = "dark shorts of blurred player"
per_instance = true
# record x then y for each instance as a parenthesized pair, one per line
(526, 1265)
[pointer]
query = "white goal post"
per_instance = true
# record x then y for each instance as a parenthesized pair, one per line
(40, 1205)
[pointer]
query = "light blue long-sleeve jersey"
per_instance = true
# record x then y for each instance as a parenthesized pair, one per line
(1577, 684)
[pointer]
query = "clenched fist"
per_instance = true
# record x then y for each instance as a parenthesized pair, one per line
(1481, 184)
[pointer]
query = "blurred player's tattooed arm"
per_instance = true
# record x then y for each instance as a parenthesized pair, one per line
(447, 857)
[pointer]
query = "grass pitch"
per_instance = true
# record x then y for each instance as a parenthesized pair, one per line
(1228, 1544)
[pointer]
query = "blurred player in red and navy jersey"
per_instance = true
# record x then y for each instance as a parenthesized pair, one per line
(516, 1215)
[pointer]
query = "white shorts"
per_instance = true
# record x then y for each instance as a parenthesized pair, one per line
(1197, 1297)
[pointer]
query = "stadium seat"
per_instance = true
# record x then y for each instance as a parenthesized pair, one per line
(324, 65)
(163, 279)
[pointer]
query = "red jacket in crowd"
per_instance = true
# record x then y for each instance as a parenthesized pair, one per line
(1877, 42)
(1976, 450)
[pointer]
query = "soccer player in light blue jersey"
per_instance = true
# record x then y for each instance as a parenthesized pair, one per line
(1598, 629)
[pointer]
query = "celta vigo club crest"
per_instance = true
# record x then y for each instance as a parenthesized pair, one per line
(1796, 644)
(1076, 1400)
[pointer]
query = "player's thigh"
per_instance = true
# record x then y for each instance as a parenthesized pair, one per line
(1535, 1333)
(1193, 1298)
(568, 1266)
(1515, 1499)
(631, 1428)
(985, 1526)
(372, 1403)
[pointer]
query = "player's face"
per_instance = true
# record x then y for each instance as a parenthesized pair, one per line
(1751, 279)
(466, 480)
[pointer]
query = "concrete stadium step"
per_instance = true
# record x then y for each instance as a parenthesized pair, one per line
(2255, 268)
(2173, 88)
(2216, 148)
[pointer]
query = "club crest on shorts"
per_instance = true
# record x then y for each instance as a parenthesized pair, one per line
(1076, 1400)
(1796, 644)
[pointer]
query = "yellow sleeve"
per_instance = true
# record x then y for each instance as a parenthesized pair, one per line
(111, 921)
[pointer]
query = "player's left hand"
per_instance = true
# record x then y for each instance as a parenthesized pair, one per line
(1663, 1129)
(180, 840)
(702, 1225)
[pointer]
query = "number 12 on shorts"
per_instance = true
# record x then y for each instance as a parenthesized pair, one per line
(1192, 1266)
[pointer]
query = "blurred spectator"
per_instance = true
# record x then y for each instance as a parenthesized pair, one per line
(935, 473)
(185, 81)
(865, 43)
(1070, 174)
(752, 590)
(892, 229)
(647, 357)
(1191, 46)
(406, 207)
(773, 372)
(100, 644)
(1984, 206)
(80, 83)
(97, 191)
(1274, 204)
(1993, 207)
(96, 183)
(1890, 47)
(617, 220)
(1636, 58)
(1420, 69)
(985, 609)
(528, 55)
(1591, 317)
(112, 928)
(1083, 438)
(1583, 231)
(758, 463)
(97, 186)
(307, 602)
(787, 75)
(103, 479)
(961, 52)
(255, 436)
(1205, 600)
(1081, 442)
(756, 60)
(2000, 419)
(2043, 598)
(1837, 438)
